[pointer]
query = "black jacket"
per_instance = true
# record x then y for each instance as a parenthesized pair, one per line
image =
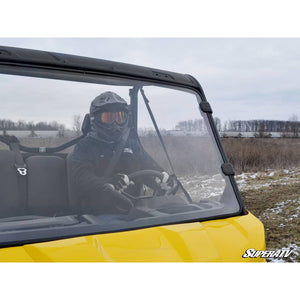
(88, 163)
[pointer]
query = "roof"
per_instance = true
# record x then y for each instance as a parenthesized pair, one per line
(12, 55)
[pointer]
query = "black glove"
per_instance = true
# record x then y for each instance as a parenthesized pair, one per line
(167, 183)
(120, 181)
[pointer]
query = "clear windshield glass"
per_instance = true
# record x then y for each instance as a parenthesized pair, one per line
(116, 171)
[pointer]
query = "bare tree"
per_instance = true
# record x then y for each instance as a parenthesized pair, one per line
(261, 128)
(294, 125)
(218, 123)
(77, 124)
(225, 126)
(61, 130)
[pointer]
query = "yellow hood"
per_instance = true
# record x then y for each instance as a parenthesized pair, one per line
(210, 241)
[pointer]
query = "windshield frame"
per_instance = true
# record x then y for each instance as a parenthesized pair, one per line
(37, 69)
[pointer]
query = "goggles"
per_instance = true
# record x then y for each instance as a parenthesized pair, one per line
(108, 117)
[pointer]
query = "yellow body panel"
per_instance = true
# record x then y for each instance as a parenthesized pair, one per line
(222, 240)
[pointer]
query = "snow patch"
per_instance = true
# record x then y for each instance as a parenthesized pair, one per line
(246, 184)
(241, 181)
(292, 246)
(204, 187)
(279, 208)
(243, 176)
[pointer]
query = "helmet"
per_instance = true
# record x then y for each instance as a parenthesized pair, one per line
(109, 116)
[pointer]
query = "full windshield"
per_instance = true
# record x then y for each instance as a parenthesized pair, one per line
(94, 154)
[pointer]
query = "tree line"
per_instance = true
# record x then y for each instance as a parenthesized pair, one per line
(196, 125)
(260, 126)
(6, 124)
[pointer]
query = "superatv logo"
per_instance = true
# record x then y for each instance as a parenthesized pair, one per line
(252, 253)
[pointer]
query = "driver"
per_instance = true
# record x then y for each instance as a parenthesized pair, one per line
(90, 164)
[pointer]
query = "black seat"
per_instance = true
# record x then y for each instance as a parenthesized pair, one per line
(43, 191)
(47, 185)
(86, 124)
(12, 203)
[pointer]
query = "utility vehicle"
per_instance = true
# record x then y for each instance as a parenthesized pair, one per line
(43, 97)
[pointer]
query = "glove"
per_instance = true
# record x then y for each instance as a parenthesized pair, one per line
(167, 183)
(120, 181)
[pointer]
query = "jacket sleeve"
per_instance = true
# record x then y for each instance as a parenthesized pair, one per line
(86, 185)
(84, 176)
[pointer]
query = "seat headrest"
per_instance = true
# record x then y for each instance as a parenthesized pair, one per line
(86, 124)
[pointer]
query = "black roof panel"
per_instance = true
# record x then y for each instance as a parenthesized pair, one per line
(66, 61)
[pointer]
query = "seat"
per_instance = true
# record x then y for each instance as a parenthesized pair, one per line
(43, 191)
(12, 202)
(86, 124)
(47, 185)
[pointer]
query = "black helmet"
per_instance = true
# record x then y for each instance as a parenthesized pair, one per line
(109, 116)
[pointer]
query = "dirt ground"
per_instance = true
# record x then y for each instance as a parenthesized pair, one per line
(274, 197)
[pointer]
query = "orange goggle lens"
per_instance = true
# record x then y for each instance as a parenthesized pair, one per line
(108, 117)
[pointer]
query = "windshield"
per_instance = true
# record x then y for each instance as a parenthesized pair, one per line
(91, 154)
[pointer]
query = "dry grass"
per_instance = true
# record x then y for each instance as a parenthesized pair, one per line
(249, 154)
(194, 154)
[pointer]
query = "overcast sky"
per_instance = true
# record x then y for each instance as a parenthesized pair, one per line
(242, 78)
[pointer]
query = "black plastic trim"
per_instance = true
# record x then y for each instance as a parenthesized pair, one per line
(66, 61)
(205, 107)
(225, 160)
(227, 169)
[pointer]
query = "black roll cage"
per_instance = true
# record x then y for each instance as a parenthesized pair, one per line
(7, 139)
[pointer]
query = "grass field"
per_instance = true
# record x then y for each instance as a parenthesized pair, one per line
(269, 180)
(274, 197)
(253, 155)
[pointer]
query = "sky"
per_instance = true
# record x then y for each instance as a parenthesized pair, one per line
(243, 78)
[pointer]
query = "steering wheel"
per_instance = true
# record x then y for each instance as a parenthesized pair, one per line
(154, 173)
(124, 201)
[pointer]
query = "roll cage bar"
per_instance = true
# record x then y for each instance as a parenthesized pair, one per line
(35, 58)
(9, 139)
